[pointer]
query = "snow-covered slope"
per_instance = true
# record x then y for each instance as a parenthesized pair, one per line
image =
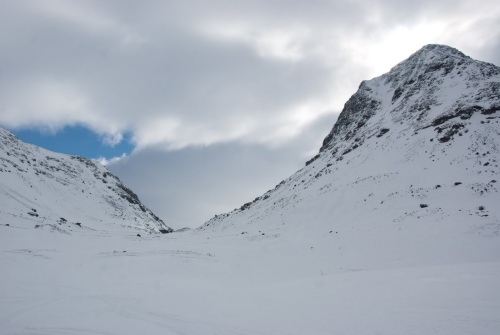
(53, 191)
(412, 160)
(392, 229)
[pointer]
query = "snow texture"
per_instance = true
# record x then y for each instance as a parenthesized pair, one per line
(66, 193)
(419, 144)
(393, 228)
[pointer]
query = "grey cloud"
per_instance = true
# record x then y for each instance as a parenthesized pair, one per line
(138, 64)
(187, 187)
(179, 74)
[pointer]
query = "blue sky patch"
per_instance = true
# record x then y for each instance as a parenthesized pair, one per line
(75, 140)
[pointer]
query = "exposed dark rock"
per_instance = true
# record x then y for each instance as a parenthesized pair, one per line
(397, 93)
(491, 110)
(166, 231)
(358, 109)
(245, 206)
(312, 160)
(464, 114)
(128, 195)
(382, 132)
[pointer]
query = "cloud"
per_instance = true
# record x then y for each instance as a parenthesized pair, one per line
(178, 74)
(114, 160)
(44, 102)
(187, 187)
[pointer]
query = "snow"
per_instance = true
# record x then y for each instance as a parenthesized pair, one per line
(66, 193)
(385, 232)
(191, 283)
(363, 174)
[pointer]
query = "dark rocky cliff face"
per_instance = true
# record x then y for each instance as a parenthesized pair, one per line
(358, 109)
(414, 93)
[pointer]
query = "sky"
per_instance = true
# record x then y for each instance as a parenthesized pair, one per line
(201, 106)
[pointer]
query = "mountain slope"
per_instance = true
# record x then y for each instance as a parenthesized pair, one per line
(412, 158)
(344, 246)
(60, 192)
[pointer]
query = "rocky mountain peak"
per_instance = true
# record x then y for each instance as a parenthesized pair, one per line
(432, 57)
(433, 84)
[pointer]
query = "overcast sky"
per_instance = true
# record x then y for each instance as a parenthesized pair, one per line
(212, 102)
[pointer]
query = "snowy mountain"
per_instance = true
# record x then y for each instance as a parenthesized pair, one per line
(53, 191)
(414, 151)
(393, 228)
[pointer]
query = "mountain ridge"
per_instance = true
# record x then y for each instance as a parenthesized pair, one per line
(415, 73)
(65, 193)
(427, 124)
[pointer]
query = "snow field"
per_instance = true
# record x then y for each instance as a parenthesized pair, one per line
(195, 283)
